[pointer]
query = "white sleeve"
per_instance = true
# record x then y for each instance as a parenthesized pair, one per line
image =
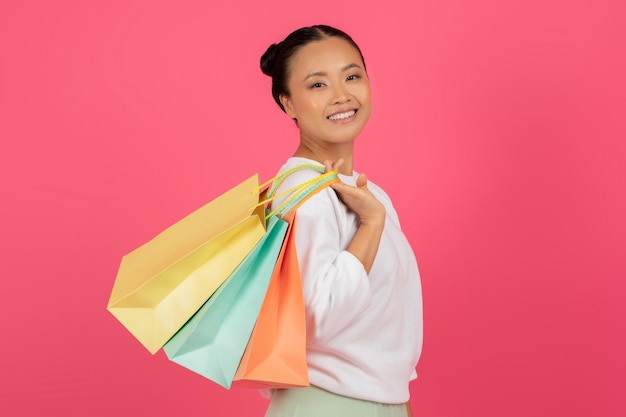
(335, 284)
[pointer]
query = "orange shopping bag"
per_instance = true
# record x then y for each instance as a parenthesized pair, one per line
(275, 356)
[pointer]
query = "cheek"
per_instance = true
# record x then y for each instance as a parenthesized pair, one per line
(366, 92)
(362, 93)
(309, 103)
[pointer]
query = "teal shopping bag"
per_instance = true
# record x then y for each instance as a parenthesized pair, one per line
(213, 341)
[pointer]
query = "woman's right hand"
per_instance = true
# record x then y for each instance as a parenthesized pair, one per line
(358, 199)
(371, 212)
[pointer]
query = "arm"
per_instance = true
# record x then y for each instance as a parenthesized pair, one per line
(335, 284)
(364, 245)
(371, 212)
(334, 272)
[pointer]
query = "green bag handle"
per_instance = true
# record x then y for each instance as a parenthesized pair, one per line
(297, 194)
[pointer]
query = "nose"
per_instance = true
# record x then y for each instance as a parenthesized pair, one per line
(340, 94)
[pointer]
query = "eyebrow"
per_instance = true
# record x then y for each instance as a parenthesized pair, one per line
(322, 73)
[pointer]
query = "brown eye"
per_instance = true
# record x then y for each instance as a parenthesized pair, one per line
(352, 77)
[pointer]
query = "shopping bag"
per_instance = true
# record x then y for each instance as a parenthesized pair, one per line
(213, 341)
(161, 284)
(275, 356)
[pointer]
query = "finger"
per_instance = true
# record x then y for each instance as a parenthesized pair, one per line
(338, 164)
(345, 191)
(341, 187)
(328, 166)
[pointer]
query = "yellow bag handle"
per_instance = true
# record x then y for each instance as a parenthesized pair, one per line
(299, 193)
(303, 192)
(278, 179)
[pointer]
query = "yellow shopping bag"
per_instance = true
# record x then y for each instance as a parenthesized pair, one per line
(161, 284)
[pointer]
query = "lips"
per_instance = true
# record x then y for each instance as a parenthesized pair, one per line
(342, 115)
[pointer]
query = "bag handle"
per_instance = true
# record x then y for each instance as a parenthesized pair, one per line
(280, 178)
(297, 194)
(305, 191)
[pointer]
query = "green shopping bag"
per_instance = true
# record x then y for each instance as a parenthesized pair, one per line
(212, 342)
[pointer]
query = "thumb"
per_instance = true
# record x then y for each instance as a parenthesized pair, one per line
(361, 182)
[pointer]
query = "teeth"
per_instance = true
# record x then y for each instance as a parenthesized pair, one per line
(342, 115)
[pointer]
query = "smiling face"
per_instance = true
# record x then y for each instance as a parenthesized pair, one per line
(329, 92)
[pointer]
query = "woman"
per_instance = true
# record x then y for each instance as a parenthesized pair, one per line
(360, 278)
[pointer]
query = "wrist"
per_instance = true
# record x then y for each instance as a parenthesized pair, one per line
(374, 222)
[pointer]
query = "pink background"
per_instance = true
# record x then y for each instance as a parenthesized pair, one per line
(499, 131)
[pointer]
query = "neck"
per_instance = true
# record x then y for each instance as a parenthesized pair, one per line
(331, 153)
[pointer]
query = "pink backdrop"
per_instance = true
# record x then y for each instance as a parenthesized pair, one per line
(498, 130)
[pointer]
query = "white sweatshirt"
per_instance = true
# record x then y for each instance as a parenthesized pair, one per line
(364, 333)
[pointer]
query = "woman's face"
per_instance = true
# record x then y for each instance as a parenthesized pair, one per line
(329, 92)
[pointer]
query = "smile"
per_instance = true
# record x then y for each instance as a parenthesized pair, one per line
(341, 116)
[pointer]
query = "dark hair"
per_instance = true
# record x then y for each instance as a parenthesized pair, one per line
(275, 61)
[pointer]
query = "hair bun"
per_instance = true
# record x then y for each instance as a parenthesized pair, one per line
(268, 60)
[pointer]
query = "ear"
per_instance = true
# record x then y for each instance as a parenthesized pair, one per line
(288, 105)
